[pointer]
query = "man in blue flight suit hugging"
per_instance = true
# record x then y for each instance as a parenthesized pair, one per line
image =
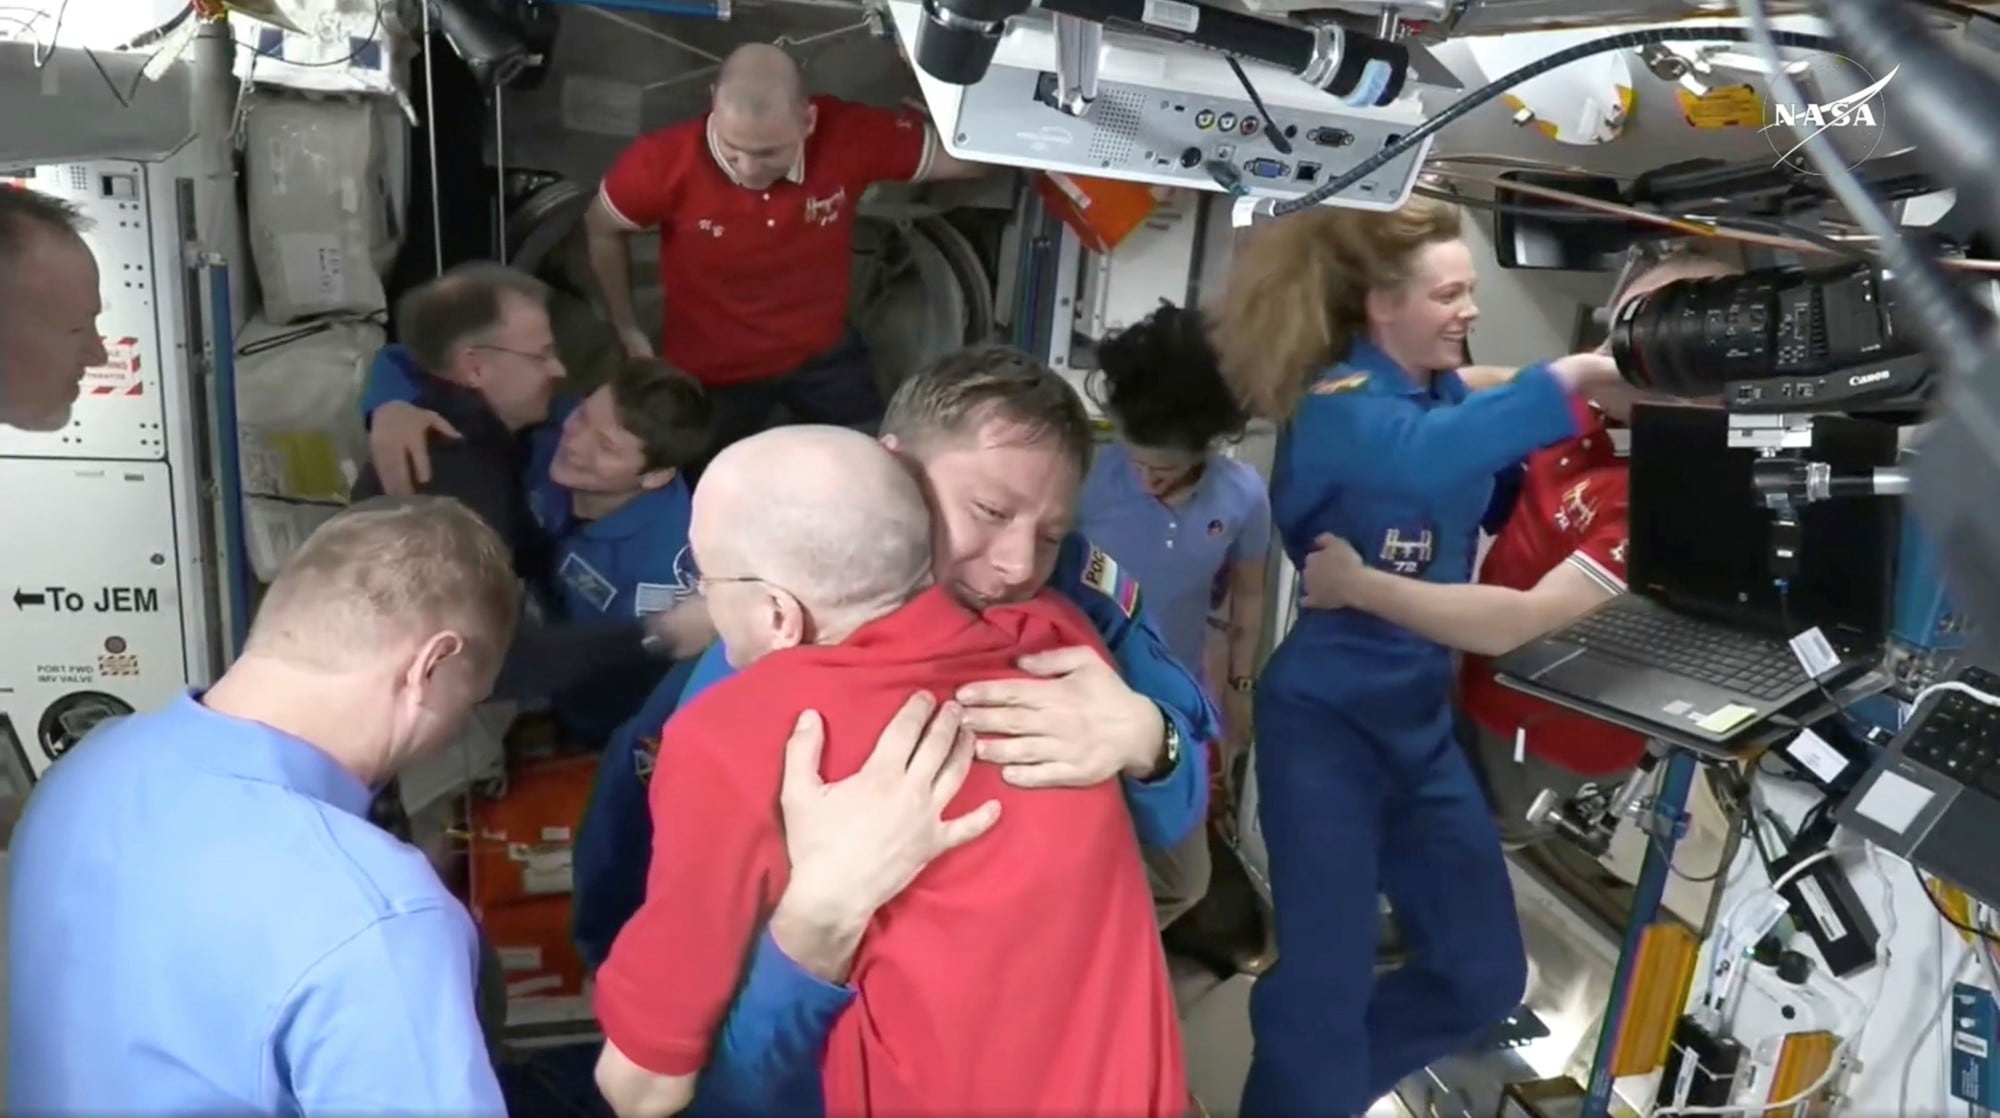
(604, 487)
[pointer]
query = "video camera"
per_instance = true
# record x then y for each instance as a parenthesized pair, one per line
(1775, 340)
(1776, 346)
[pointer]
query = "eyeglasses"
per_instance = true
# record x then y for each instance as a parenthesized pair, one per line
(546, 357)
(703, 582)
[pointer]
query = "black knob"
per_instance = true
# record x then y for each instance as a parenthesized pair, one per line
(1191, 158)
(1795, 967)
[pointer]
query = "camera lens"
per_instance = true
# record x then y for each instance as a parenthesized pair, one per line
(956, 41)
(1695, 337)
(959, 55)
(1692, 337)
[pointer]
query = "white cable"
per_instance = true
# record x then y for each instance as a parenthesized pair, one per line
(431, 141)
(1952, 685)
(500, 166)
(1838, 1062)
(1947, 981)
(1725, 971)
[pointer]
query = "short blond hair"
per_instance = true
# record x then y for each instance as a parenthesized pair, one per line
(386, 572)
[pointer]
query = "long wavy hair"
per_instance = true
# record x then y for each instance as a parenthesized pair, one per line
(1297, 293)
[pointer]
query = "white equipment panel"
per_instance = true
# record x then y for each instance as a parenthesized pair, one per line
(122, 411)
(1153, 264)
(94, 616)
(1163, 110)
(110, 584)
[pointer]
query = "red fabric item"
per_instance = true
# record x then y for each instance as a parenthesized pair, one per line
(1572, 509)
(1021, 974)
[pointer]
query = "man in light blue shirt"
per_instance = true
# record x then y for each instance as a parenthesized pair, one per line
(202, 919)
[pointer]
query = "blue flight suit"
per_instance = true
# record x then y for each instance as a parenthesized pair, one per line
(611, 880)
(622, 566)
(1362, 790)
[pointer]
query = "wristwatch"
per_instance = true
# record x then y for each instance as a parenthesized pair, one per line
(1172, 760)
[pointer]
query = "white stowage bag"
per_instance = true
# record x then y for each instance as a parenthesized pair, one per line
(316, 209)
(298, 392)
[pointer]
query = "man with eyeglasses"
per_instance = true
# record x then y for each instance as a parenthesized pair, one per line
(483, 359)
(606, 485)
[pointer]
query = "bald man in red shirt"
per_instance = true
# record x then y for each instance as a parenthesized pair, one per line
(1017, 976)
(754, 205)
(1559, 555)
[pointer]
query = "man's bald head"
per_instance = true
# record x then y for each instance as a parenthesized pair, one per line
(761, 115)
(803, 534)
(759, 80)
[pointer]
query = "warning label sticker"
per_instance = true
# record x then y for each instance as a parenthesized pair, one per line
(1730, 106)
(111, 666)
(120, 373)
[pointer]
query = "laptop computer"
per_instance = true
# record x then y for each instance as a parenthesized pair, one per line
(1700, 645)
(1933, 797)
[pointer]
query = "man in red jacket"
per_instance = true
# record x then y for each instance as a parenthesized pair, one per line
(1560, 554)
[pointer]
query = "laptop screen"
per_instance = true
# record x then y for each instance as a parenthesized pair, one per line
(1701, 539)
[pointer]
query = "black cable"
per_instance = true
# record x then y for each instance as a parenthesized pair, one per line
(1785, 619)
(1943, 914)
(1737, 811)
(148, 38)
(42, 59)
(1492, 89)
(1557, 209)
(1271, 130)
(371, 39)
(1777, 774)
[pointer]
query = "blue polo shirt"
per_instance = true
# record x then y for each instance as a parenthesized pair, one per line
(202, 920)
(1181, 553)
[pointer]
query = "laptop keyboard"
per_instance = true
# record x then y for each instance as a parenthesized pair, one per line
(1758, 667)
(1960, 737)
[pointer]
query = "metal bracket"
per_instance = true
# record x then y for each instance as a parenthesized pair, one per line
(1770, 433)
(1078, 44)
(1664, 824)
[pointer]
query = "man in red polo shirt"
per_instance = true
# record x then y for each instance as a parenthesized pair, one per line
(1020, 976)
(1560, 554)
(754, 204)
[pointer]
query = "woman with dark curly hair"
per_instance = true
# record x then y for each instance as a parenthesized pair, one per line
(1192, 525)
